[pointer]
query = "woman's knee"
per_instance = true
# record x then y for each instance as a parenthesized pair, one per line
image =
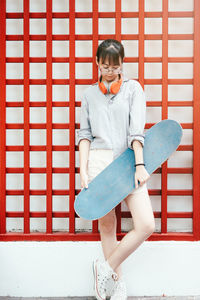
(147, 227)
(108, 222)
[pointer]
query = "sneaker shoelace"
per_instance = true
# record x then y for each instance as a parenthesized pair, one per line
(104, 279)
(102, 283)
(120, 289)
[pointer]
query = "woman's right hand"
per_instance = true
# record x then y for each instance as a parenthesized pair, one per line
(84, 179)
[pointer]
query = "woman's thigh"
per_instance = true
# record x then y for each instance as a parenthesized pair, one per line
(139, 204)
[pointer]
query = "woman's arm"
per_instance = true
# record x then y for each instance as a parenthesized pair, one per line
(84, 139)
(137, 115)
(141, 173)
(136, 131)
(84, 147)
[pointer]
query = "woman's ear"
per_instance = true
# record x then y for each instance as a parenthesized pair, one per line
(97, 61)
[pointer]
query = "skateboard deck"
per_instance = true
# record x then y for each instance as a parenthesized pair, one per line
(116, 181)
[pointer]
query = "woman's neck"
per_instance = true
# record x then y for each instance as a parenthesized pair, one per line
(109, 81)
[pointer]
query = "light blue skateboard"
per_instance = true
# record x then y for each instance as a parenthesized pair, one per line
(116, 181)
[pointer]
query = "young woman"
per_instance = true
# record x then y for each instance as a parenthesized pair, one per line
(113, 114)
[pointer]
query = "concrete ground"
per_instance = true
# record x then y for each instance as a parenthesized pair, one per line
(93, 298)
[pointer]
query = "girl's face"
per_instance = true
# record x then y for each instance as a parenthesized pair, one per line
(109, 72)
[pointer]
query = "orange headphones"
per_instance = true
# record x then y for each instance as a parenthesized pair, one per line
(113, 87)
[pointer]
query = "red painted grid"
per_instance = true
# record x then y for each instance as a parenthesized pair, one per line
(72, 81)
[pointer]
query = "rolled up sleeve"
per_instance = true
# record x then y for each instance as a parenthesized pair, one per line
(85, 129)
(137, 115)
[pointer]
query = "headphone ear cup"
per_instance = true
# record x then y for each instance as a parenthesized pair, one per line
(115, 86)
(102, 87)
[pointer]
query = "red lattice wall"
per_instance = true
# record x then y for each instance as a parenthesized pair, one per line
(72, 81)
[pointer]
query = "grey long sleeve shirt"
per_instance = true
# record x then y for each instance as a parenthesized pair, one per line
(113, 121)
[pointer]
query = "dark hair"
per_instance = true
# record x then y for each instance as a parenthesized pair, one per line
(111, 49)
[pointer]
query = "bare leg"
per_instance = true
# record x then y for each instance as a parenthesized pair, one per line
(140, 207)
(107, 227)
(107, 224)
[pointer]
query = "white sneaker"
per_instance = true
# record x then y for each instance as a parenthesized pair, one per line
(119, 290)
(102, 273)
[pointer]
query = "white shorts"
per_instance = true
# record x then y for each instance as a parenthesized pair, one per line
(98, 160)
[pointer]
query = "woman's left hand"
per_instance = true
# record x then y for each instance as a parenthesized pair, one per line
(141, 175)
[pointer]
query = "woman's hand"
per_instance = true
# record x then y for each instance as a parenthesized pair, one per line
(141, 175)
(84, 179)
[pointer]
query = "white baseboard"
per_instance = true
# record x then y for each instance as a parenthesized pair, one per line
(61, 269)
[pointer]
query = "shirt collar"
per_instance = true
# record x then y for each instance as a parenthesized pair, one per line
(112, 96)
(125, 78)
